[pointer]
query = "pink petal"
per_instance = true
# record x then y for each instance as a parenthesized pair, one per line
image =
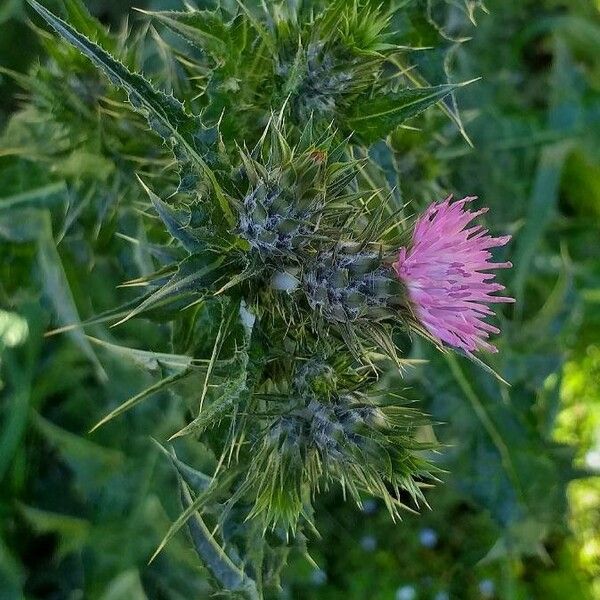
(445, 271)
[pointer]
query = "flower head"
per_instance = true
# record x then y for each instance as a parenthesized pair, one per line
(445, 273)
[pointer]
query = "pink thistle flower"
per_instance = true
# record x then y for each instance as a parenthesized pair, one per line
(444, 272)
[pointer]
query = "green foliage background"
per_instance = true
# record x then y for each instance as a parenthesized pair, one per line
(518, 513)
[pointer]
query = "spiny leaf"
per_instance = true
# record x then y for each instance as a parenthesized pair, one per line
(198, 481)
(230, 392)
(208, 417)
(173, 221)
(375, 118)
(264, 34)
(146, 359)
(153, 389)
(227, 573)
(417, 79)
(187, 280)
(237, 279)
(226, 322)
(202, 28)
(189, 509)
(165, 114)
(109, 315)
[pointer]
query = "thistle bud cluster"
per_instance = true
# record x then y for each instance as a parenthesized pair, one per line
(329, 62)
(326, 80)
(288, 191)
(326, 434)
(270, 223)
(298, 219)
(346, 287)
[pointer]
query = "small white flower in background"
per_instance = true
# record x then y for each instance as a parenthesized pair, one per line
(406, 592)
(369, 506)
(428, 537)
(13, 329)
(487, 588)
(318, 577)
(368, 543)
(592, 459)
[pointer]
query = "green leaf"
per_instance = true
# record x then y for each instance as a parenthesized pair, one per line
(109, 315)
(126, 585)
(229, 575)
(30, 225)
(16, 411)
(20, 361)
(12, 574)
(174, 221)
(486, 421)
(165, 114)
(152, 361)
(209, 415)
(225, 571)
(44, 196)
(227, 320)
(93, 464)
(264, 34)
(375, 118)
(191, 278)
(72, 532)
(57, 289)
(82, 20)
(199, 482)
(202, 28)
(181, 520)
(159, 386)
(10, 8)
(524, 538)
(229, 394)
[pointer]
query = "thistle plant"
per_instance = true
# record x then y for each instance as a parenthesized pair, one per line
(284, 276)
